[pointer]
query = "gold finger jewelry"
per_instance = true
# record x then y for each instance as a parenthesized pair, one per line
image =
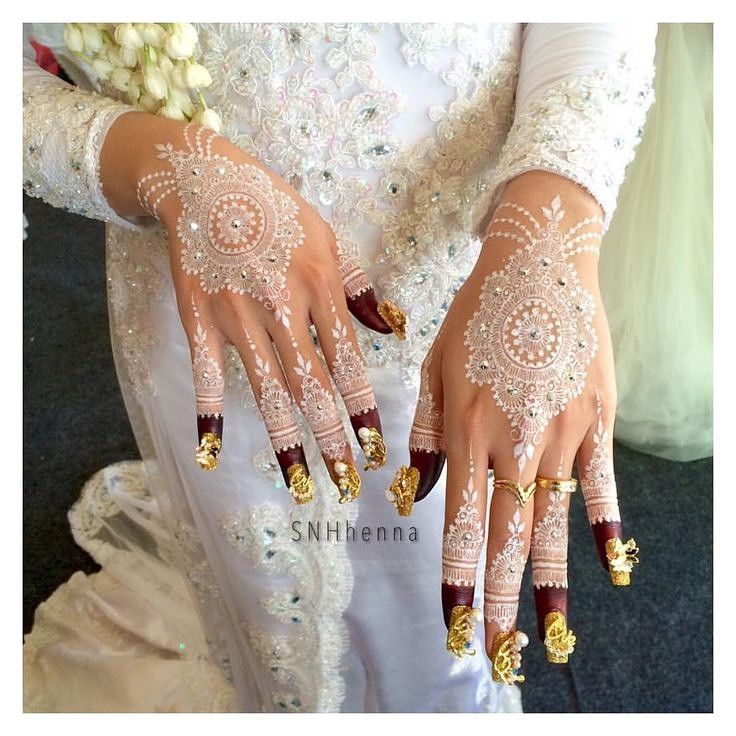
(462, 629)
(506, 656)
(557, 485)
(403, 488)
(394, 317)
(621, 560)
(348, 480)
(558, 639)
(373, 446)
(301, 484)
(522, 494)
(208, 452)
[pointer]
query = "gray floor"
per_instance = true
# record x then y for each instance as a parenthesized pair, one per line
(647, 648)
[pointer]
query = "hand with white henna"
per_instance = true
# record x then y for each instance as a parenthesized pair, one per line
(254, 265)
(521, 381)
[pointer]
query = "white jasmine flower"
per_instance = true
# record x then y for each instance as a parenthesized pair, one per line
(196, 76)
(152, 33)
(120, 78)
(148, 103)
(92, 37)
(209, 118)
(131, 57)
(180, 44)
(73, 38)
(103, 68)
(177, 75)
(155, 83)
(173, 111)
(181, 98)
(127, 35)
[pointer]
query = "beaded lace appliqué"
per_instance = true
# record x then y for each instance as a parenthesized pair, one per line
(532, 338)
(238, 231)
(597, 480)
(463, 540)
(503, 577)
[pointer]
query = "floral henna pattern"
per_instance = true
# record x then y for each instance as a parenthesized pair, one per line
(237, 229)
(350, 373)
(549, 545)
(320, 411)
(354, 279)
(463, 540)
(532, 337)
(276, 406)
(426, 430)
(597, 480)
(503, 578)
(209, 383)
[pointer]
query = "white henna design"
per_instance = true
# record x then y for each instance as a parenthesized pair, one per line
(549, 545)
(532, 337)
(209, 383)
(355, 281)
(350, 373)
(503, 578)
(462, 542)
(320, 411)
(427, 428)
(237, 229)
(276, 406)
(597, 480)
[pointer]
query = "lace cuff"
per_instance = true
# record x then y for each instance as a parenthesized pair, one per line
(63, 131)
(585, 128)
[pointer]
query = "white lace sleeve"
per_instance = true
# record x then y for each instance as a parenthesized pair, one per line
(581, 102)
(64, 128)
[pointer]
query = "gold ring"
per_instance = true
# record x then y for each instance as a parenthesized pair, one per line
(557, 485)
(522, 494)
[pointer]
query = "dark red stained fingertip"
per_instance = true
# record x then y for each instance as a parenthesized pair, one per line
(455, 595)
(209, 424)
(602, 532)
(364, 308)
(547, 600)
(369, 419)
(287, 458)
(429, 465)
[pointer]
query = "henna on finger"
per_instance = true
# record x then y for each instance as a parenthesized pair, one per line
(360, 296)
(426, 450)
(209, 392)
(601, 500)
(549, 570)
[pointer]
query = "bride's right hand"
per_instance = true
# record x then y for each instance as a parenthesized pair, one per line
(255, 265)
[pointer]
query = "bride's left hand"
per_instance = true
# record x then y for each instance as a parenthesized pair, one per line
(521, 381)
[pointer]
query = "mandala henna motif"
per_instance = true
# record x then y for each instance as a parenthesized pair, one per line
(237, 229)
(320, 411)
(597, 480)
(532, 337)
(503, 578)
(462, 542)
(549, 545)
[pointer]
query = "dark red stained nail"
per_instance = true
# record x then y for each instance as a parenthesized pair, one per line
(369, 419)
(364, 308)
(455, 595)
(209, 424)
(287, 458)
(547, 600)
(603, 531)
(429, 465)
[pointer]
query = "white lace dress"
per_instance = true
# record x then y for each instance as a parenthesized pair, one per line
(401, 135)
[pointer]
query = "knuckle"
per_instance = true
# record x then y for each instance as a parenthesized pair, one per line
(474, 417)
